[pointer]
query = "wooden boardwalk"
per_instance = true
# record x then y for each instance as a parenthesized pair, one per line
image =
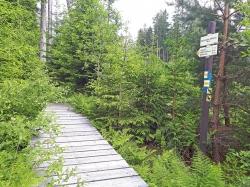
(96, 162)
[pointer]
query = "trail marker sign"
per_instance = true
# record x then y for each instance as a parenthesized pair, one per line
(209, 39)
(208, 51)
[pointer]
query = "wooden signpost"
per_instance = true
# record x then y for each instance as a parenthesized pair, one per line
(208, 49)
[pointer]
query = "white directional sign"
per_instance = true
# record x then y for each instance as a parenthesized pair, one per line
(208, 51)
(209, 39)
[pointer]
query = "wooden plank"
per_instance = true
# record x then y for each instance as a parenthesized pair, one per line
(57, 110)
(69, 149)
(89, 153)
(77, 161)
(100, 166)
(62, 113)
(72, 118)
(71, 134)
(78, 129)
(85, 143)
(102, 175)
(68, 115)
(58, 107)
(80, 125)
(68, 122)
(132, 181)
(87, 148)
(88, 160)
(76, 146)
(75, 138)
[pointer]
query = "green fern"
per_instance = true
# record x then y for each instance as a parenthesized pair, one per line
(205, 173)
(169, 171)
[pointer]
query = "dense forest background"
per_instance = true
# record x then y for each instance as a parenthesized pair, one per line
(144, 95)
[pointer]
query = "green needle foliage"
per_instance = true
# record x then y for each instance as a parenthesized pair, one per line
(81, 44)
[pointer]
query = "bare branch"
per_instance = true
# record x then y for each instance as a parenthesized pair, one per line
(216, 15)
(232, 13)
(220, 8)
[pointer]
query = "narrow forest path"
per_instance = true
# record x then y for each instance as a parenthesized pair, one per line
(96, 162)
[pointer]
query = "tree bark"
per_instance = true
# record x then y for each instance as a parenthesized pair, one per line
(69, 3)
(50, 22)
(226, 107)
(219, 84)
(43, 30)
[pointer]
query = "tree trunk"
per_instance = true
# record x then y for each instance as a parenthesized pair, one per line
(43, 30)
(225, 102)
(50, 22)
(219, 84)
(56, 14)
(69, 3)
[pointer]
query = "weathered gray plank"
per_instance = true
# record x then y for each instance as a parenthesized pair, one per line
(102, 175)
(88, 160)
(75, 138)
(100, 166)
(89, 153)
(68, 115)
(84, 160)
(58, 110)
(71, 134)
(78, 144)
(68, 122)
(72, 118)
(132, 181)
(66, 126)
(87, 148)
(65, 112)
(78, 129)
(83, 143)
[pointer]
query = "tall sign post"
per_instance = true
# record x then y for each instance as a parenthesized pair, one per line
(208, 49)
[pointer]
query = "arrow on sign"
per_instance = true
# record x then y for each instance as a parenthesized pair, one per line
(207, 51)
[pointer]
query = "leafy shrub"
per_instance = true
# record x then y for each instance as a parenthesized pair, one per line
(17, 170)
(237, 168)
(15, 134)
(24, 97)
(17, 158)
